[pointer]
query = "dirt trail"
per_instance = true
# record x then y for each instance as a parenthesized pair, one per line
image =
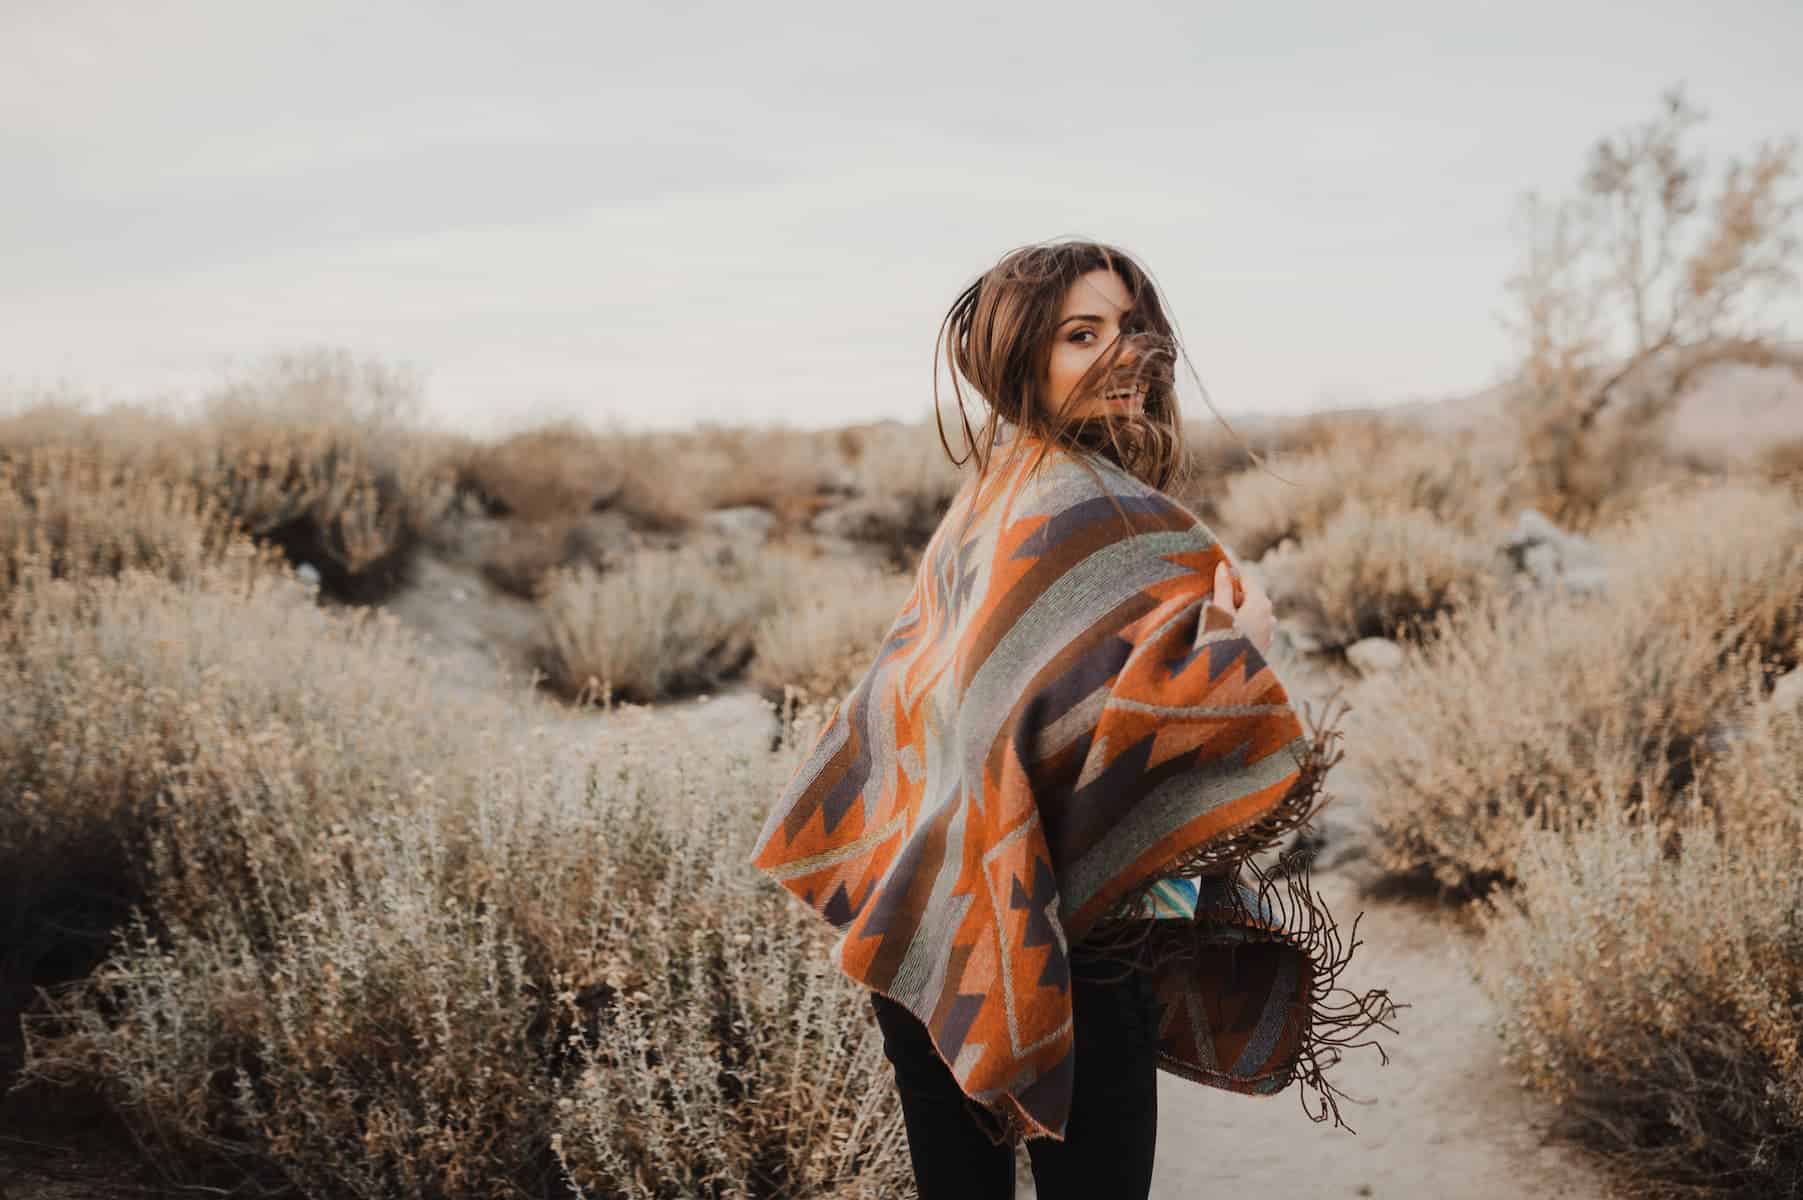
(1444, 1118)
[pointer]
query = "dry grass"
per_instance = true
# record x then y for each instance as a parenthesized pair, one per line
(1379, 574)
(395, 945)
(1650, 977)
(1542, 714)
(1448, 478)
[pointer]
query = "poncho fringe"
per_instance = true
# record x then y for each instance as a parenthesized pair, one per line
(1058, 719)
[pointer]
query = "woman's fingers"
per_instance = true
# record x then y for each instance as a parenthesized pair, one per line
(1224, 586)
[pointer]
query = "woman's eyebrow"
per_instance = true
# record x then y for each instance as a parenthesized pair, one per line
(1081, 317)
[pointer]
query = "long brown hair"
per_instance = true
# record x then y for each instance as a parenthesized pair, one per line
(998, 336)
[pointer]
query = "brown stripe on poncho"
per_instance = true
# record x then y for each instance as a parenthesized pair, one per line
(1058, 718)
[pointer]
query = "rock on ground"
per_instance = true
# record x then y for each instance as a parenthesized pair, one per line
(1374, 655)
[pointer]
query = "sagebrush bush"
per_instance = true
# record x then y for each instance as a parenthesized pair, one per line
(1452, 479)
(548, 473)
(824, 626)
(313, 453)
(735, 1059)
(1649, 977)
(1215, 452)
(665, 623)
(394, 939)
(673, 477)
(1375, 573)
(179, 735)
(909, 463)
(80, 511)
(1783, 463)
(1538, 711)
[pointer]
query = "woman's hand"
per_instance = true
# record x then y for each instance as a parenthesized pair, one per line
(1251, 610)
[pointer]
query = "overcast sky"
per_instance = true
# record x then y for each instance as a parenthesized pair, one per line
(673, 211)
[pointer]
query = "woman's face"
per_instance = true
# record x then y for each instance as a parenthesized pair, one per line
(1088, 323)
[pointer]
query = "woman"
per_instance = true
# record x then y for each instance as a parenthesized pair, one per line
(1031, 818)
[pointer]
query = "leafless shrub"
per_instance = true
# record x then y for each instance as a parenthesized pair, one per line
(1376, 573)
(1540, 714)
(1630, 291)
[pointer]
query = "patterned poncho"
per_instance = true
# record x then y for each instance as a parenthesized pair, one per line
(1058, 725)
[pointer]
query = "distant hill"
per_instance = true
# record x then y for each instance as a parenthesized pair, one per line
(1733, 411)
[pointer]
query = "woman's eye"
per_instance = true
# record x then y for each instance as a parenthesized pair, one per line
(1079, 334)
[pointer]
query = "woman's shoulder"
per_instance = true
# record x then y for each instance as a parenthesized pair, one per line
(1075, 478)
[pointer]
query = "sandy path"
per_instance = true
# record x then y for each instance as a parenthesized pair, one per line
(1444, 1118)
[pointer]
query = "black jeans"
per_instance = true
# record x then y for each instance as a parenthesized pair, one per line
(1113, 1125)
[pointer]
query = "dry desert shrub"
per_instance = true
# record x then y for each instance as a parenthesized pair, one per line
(733, 1058)
(1650, 979)
(667, 622)
(551, 473)
(1783, 463)
(908, 462)
(354, 505)
(825, 625)
(396, 944)
(1216, 452)
(311, 452)
(72, 511)
(1450, 478)
(1379, 573)
(190, 732)
(136, 436)
(1540, 710)
(323, 454)
(672, 478)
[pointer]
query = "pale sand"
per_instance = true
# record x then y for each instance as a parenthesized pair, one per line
(1444, 1118)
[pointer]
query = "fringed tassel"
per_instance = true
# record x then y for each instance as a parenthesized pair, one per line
(1282, 907)
(1297, 916)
